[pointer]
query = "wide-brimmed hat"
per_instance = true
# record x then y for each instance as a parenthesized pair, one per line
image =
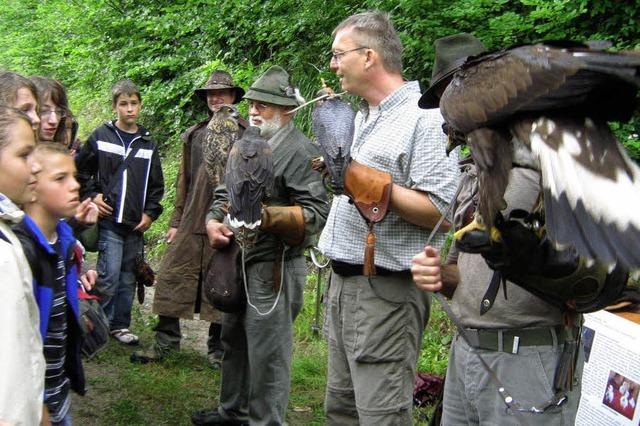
(220, 80)
(451, 52)
(274, 87)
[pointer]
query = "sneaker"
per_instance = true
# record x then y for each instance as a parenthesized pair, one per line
(213, 417)
(215, 359)
(124, 336)
(152, 354)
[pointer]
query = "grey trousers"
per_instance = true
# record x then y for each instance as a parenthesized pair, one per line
(471, 398)
(375, 334)
(256, 366)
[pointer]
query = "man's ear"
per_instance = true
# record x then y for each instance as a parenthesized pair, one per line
(371, 57)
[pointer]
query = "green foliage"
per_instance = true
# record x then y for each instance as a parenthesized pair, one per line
(168, 48)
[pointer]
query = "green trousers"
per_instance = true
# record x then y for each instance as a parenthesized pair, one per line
(256, 366)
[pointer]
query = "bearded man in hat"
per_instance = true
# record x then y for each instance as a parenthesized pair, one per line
(179, 292)
(376, 319)
(258, 342)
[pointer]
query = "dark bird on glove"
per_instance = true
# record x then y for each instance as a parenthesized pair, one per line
(222, 133)
(333, 122)
(249, 179)
(546, 106)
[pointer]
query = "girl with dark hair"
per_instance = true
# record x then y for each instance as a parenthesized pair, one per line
(56, 119)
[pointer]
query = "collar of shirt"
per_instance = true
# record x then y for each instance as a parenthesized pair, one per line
(394, 98)
(9, 211)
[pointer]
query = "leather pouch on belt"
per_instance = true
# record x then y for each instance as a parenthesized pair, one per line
(370, 191)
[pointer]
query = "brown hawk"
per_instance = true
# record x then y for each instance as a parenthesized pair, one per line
(249, 178)
(222, 133)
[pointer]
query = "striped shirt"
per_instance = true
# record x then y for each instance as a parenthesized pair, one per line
(56, 383)
(406, 141)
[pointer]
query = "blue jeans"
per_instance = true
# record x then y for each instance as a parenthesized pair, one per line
(116, 281)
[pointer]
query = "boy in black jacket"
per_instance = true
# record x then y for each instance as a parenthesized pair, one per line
(119, 168)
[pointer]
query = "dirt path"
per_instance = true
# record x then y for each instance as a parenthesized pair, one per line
(102, 374)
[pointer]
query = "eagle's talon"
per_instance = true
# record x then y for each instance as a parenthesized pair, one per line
(476, 226)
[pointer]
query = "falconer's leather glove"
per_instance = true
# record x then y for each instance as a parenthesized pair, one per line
(560, 277)
(287, 222)
(369, 189)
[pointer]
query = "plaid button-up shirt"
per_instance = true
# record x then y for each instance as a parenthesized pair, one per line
(407, 142)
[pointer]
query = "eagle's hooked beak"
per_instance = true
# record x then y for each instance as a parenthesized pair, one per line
(454, 138)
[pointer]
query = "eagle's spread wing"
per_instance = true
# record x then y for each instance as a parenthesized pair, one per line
(555, 103)
(222, 132)
(538, 78)
(333, 125)
(249, 178)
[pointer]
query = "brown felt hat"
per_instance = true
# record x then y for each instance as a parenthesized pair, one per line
(451, 52)
(220, 80)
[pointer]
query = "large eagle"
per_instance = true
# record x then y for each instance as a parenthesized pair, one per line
(547, 106)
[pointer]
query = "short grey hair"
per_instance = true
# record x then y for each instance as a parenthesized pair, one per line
(375, 30)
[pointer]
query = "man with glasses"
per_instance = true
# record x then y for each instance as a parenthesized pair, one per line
(376, 321)
(258, 342)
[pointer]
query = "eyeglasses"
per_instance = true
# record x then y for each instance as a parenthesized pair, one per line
(45, 112)
(258, 105)
(337, 56)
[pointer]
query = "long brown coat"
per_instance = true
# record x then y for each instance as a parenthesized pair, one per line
(186, 258)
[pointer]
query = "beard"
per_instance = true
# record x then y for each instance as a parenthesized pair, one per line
(268, 128)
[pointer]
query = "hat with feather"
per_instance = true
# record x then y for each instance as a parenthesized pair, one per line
(275, 87)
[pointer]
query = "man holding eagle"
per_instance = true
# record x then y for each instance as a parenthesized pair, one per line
(541, 107)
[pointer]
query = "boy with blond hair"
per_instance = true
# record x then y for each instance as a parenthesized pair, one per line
(55, 259)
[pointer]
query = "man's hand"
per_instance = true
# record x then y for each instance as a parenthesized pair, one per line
(87, 212)
(103, 208)
(171, 234)
(218, 233)
(426, 270)
(144, 224)
(89, 279)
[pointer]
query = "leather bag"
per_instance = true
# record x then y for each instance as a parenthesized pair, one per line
(223, 285)
(93, 324)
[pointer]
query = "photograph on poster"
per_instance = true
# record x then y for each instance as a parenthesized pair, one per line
(621, 394)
